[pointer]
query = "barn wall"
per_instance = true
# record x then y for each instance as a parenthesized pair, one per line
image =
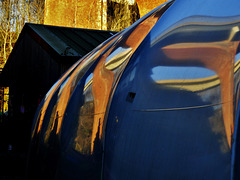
(31, 71)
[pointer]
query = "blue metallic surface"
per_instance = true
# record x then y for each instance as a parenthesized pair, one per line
(159, 100)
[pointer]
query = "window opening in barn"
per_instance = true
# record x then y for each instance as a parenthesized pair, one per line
(4, 99)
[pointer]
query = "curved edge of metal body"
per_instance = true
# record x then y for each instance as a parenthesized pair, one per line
(157, 98)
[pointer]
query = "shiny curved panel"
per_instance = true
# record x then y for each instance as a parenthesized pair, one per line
(67, 135)
(177, 98)
(157, 101)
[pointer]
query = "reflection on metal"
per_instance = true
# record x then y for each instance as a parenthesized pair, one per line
(192, 84)
(118, 57)
(237, 66)
(157, 101)
(233, 32)
(195, 85)
(217, 57)
(177, 109)
(48, 98)
(66, 90)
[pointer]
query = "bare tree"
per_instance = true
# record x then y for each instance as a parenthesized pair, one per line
(6, 29)
(36, 11)
(14, 14)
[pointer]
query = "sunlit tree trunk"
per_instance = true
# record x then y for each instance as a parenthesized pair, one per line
(121, 14)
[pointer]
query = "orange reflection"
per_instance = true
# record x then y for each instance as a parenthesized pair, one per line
(103, 77)
(49, 97)
(101, 88)
(218, 57)
(66, 92)
(141, 31)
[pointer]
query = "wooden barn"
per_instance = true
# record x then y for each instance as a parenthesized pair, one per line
(41, 55)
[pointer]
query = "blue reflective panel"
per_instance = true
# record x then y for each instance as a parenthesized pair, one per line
(199, 11)
(237, 58)
(172, 110)
(161, 73)
(88, 80)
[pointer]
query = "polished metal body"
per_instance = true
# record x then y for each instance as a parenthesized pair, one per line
(159, 100)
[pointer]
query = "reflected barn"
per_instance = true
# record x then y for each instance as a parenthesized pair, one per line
(159, 100)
